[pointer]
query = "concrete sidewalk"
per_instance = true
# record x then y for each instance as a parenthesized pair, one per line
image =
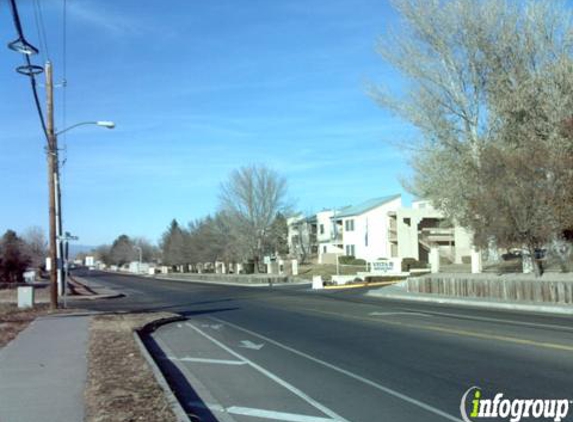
(43, 371)
(399, 292)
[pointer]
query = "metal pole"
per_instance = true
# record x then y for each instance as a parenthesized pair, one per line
(52, 152)
(59, 237)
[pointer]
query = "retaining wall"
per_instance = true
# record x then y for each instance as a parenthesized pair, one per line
(232, 278)
(516, 289)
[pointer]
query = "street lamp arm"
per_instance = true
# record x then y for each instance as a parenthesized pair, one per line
(103, 123)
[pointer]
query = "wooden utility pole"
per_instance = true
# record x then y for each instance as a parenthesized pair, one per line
(52, 153)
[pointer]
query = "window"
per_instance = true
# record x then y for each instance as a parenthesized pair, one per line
(350, 250)
(407, 221)
(324, 249)
(322, 229)
(349, 225)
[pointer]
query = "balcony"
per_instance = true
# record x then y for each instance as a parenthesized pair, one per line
(392, 234)
(437, 235)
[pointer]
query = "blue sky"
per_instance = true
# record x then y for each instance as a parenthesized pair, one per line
(197, 89)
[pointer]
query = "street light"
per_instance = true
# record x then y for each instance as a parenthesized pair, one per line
(102, 123)
(58, 205)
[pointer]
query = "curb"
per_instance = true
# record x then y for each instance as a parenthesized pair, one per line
(110, 294)
(359, 285)
(524, 307)
(176, 407)
(95, 297)
(222, 283)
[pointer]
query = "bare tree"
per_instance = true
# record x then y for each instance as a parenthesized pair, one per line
(102, 253)
(303, 238)
(149, 252)
(36, 246)
(251, 199)
(122, 251)
(489, 82)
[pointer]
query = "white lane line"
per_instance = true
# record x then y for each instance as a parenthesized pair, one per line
(501, 321)
(366, 381)
(398, 313)
(276, 416)
(247, 344)
(273, 377)
(214, 361)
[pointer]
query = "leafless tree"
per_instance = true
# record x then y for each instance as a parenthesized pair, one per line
(36, 246)
(251, 199)
(489, 85)
(303, 239)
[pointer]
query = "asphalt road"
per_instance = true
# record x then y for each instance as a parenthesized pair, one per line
(291, 354)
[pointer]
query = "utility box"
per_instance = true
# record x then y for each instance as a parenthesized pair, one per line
(25, 297)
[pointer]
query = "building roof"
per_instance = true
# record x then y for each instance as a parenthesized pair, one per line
(365, 206)
(311, 219)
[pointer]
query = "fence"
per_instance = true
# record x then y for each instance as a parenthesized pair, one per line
(512, 289)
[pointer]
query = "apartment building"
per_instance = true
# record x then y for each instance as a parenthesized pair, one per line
(302, 236)
(378, 228)
(413, 231)
(359, 230)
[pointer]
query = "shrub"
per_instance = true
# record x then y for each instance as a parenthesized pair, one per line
(412, 263)
(350, 260)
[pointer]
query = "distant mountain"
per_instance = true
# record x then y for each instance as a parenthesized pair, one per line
(76, 249)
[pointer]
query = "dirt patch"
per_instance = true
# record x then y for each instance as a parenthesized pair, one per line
(14, 320)
(121, 386)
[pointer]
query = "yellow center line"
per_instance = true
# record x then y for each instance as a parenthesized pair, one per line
(454, 331)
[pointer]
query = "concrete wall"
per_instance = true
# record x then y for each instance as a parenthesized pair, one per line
(408, 245)
(231, 278)
(512, 289)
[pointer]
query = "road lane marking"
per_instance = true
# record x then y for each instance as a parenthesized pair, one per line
(214, 361)
(352, 375)
(502, 321)
(247, 344)
(212, 326)
(463, 333)
(276, 416)
(273, 377)
(398, 313)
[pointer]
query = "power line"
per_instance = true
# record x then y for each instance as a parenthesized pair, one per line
(33, 83)
(64, 67)
(39, 19)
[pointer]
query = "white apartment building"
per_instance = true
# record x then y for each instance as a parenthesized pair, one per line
(360, 230)
(302, 233)
(379, 228)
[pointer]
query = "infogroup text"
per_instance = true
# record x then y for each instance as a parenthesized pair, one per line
(514, 410)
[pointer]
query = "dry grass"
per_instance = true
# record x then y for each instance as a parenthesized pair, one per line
(14, 320)
(121, 386)
(306, 271)
(10, 295)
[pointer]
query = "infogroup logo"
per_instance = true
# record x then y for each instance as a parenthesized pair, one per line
(513, 410)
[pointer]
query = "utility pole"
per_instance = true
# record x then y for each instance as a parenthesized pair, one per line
(52, 153)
